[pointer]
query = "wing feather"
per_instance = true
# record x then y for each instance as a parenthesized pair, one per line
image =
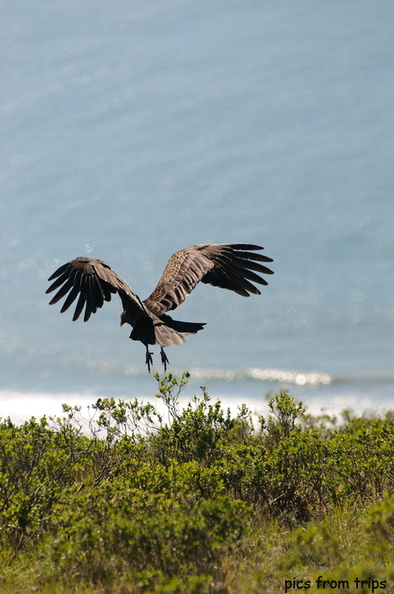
(70, 298)
(93, 282)
(229, 266)
(62, 292)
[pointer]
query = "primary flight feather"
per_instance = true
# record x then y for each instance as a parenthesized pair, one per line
(232, 266)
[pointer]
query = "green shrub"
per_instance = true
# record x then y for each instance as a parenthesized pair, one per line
(380, 520)
(122, 501)
(113, 529)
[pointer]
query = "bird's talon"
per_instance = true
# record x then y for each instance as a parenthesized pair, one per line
(148, 359)
(164, 358)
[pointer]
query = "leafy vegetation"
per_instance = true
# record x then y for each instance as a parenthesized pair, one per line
(126, 501)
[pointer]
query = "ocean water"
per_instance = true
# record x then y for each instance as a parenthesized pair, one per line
(129, 130)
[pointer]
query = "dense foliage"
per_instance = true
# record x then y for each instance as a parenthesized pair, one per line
(203, 501)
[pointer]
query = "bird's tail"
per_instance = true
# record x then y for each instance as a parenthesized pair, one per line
(164, 330)
(169, 331)
(184, 327)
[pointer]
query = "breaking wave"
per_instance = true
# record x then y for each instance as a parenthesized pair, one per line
(300, 378)
(282, 376)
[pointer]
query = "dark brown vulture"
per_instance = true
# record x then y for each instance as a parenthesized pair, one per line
(229, 266)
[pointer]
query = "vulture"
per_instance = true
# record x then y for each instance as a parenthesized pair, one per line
(230, 266)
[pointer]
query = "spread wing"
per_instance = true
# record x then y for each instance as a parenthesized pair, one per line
(230, 266)
(93, 282)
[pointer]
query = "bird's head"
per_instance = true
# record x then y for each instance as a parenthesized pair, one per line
(123, 318)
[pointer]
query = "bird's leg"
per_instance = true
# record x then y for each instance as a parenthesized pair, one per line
(148, 358)
(164, 358)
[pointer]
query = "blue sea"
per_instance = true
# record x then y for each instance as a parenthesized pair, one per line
(132, 129)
